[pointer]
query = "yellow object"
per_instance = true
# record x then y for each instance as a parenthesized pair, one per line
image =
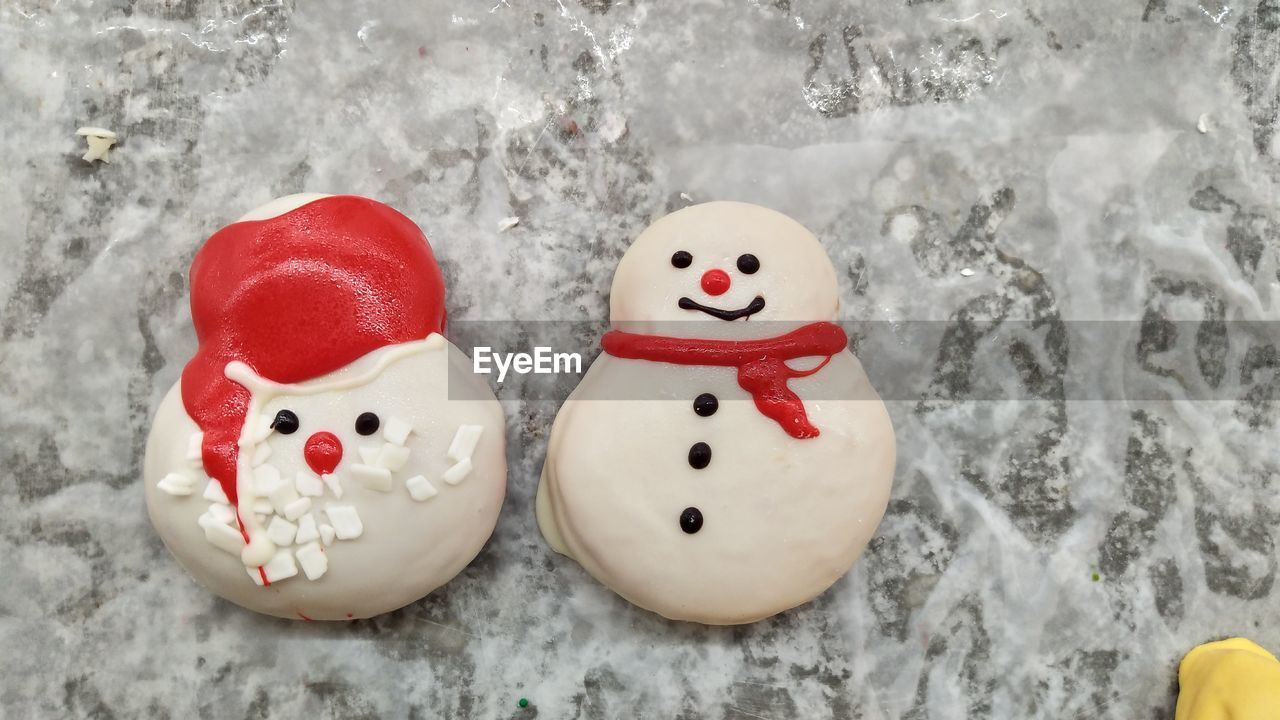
(1229, 680)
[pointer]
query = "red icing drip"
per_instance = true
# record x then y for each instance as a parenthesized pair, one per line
(322, 452)
(761, 364)
(299, 296)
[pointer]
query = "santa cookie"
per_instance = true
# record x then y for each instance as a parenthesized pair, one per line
(725, 458)
(313, 461)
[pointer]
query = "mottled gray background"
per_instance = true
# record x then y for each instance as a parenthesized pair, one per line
(1040, 559)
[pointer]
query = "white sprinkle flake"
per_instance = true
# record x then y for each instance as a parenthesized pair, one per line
(464, 442)
(457, 473)
(396, 431)
(282, 496)
(420, 488)
(195, 450)
(334, 483)
(100, 142)
(223, 537)
(281, 531)
(372, 477)
(307, 530)
(177, 484)
(308, 485)
(326, 534)
(262, 427)
(1203, 124)
(214, 494)
(221, 514)
(346, 521)
(313, 560)
(262, 506)
(281, 567)
(369, 454)
(266, 479)
(507, 223)
(392, 457)
(967, 272)
(297, 508)
(261, 452)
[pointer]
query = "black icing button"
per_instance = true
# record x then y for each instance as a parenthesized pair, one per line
(691, 520)
(700, 455)
(706, 404)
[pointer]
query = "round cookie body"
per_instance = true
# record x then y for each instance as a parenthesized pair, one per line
(407, 547)
(781, 519)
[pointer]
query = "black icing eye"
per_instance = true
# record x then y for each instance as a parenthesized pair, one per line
(286, 422)
(681, 259)
(748, 263)
(367, 423)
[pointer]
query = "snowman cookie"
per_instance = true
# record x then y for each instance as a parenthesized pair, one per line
(313, 461)
(725, 458)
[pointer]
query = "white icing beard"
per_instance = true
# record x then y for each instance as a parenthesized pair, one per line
(444, 458)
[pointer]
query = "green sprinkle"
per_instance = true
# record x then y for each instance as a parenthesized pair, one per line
(524, 702)
(1096, 577)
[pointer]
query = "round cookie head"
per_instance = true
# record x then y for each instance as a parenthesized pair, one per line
(723, 269)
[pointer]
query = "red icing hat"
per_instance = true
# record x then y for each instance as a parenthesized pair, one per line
(296, 297)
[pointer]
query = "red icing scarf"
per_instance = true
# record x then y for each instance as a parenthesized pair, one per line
(761, 364)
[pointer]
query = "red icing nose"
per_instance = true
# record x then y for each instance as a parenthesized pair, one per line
(322, 452)
(715, 282)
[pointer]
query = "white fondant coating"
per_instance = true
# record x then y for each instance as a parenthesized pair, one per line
(783, 518)
(416, 547)
(420, 488)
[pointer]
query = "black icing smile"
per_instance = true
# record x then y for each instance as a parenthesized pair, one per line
(752, 308)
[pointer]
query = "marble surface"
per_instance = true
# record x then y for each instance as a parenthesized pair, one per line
(1009, 172)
